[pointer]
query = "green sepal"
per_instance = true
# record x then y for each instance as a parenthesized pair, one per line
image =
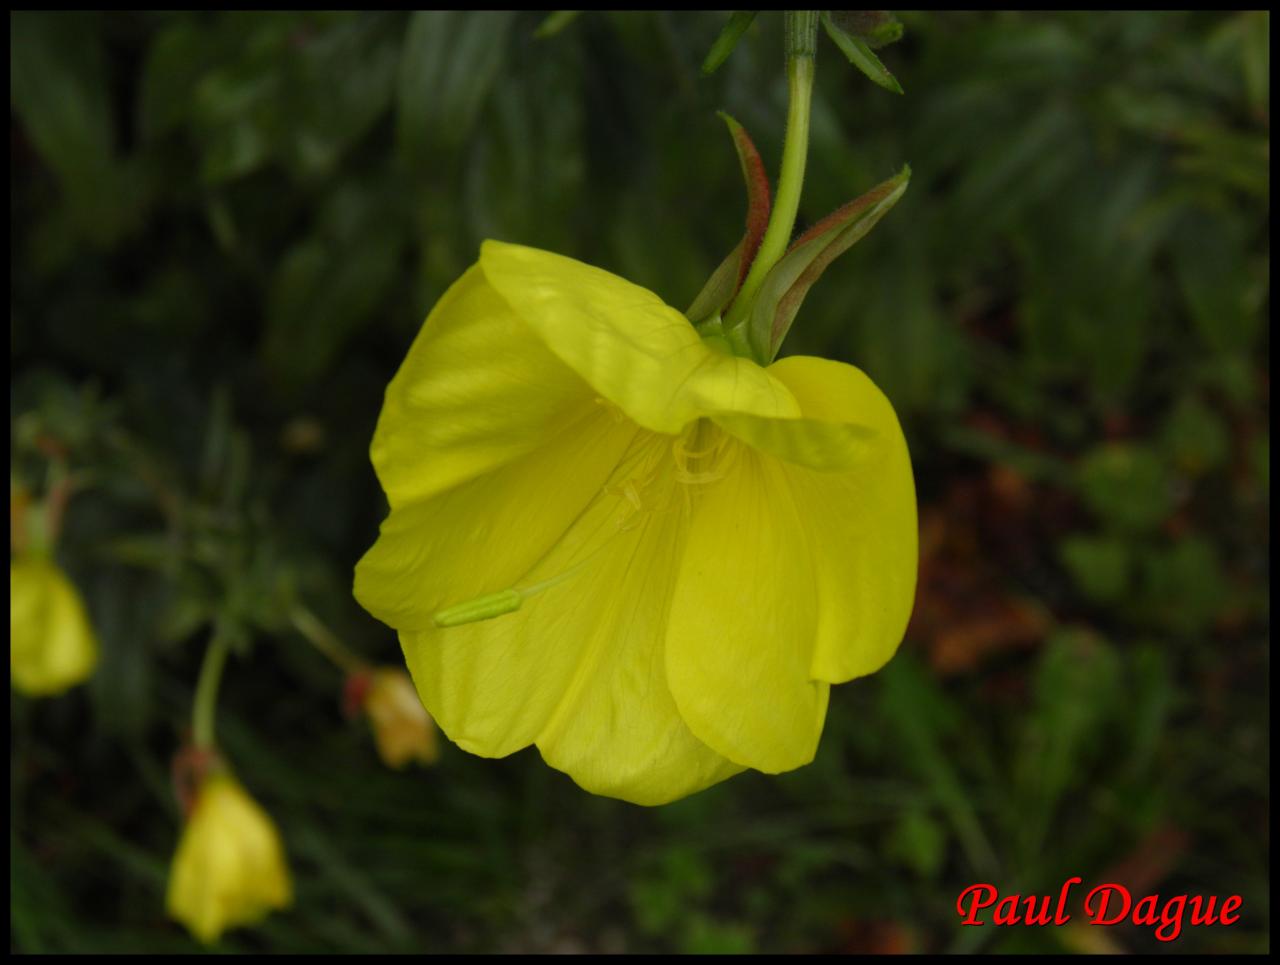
(791, 278)
(728, 39)
(724, 282)
(719, 289)
(861, 55)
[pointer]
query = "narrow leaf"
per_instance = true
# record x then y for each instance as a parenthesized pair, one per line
(555, 23)
(728, 39)
(861, 56)
(789, 281)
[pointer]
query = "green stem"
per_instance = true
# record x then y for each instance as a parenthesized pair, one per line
(324, 640)
(206, 703)
(802, 38)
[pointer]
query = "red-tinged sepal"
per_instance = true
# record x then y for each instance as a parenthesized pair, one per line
(791, 278)
(724, 282)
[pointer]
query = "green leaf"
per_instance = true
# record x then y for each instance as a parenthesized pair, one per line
(728, 39)
(1225, 298)
(1195, 437)
(1127, 486)
(555, 23)
(58, 87)
(1077, 687)
(878, 28)
(918, 842)
(788, 282)
(449, 65)
(525, 169)
(861, 55)
(1183, 588)
(1100, 566)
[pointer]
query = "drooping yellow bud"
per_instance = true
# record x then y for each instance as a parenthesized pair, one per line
(229, 869)
(402, 727)
(51, 643)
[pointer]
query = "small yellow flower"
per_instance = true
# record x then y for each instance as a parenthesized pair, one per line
(230, 868)
(51, 643)
(612, 540)
(402, 727)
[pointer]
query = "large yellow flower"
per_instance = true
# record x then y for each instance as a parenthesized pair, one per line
(673, 551)
(230, 868)
(51, 643)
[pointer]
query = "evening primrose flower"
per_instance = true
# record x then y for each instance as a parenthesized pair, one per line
(613, 540)
(52, 646)
(229, 869)
(402, 728)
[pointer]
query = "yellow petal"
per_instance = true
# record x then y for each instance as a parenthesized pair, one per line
(578, 669)
(860, 522)
(229, 869)
(477, 390)
(633, 349)
(743, 622)
(51, 642)
(487, 534)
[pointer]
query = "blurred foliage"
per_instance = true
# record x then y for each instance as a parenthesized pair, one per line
(226, 229)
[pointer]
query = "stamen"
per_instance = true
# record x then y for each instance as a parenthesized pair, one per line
(509, 600)
(682, 456)
(481, 608)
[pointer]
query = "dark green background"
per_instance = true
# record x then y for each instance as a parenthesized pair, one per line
(226, 230)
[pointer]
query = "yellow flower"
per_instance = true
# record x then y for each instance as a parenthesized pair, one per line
(51, 643)
(402, 728)
(229, 869)
(669, 552)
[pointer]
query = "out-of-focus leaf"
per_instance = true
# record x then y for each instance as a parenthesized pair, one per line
(728, 39)
(448, 68)
(555, 23)
(1127, 486)
(328, 285)
(1077, 690)
(919, 842)
(1183, 587)
(338, 83)
(861, 55)
(1195, 438)
(58, 87)
(922, 717)
(878, 28)
(1213, 271)
(176, 60)
(1100, 566)
(524, 178)
(706, 936)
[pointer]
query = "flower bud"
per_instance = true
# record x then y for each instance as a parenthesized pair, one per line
(229, 869)
(402, 727)
(51, 644)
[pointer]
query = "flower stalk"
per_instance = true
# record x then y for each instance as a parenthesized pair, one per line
(324, 640)
(801, 43)
(205, 708)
